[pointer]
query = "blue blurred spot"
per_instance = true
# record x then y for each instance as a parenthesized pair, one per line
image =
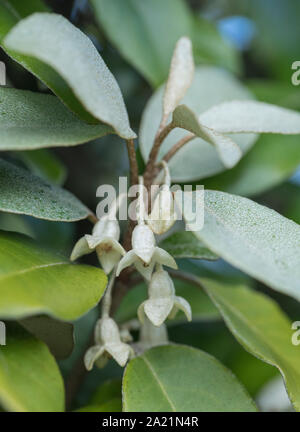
(238, 30)
(296, 177)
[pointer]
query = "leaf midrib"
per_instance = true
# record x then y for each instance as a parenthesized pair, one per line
(31, 269)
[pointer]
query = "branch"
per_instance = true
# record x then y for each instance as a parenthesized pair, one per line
(173, 150)
(134, 174)
(150, 167)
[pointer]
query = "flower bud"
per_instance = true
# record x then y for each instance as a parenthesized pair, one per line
(163, 214)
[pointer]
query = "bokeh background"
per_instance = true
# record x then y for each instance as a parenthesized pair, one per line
(257, 40)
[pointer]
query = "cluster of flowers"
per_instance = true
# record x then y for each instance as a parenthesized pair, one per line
(148, 260)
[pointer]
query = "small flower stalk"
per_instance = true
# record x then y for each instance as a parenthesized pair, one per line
(162, 302)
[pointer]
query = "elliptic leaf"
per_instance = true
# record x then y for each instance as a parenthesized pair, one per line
(34, 281)
(253, 238)
(52, 40)
(251, 116)
(31, 120)
(202, 383)
(24, 193)
(261, 327)
(30, 380)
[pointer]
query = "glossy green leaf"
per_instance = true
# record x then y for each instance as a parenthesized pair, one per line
(202, 383)
(57, 335)
(184, 244)
(261, 327)
(44, 164)
(154, 27)
(228, 151)
(272, 160)
(251, 116)
(211, 86)
(253, 238)
(32, 120)
(29, 376)
(202, 308)
(34, 281)
(52, 40)
(24, 193)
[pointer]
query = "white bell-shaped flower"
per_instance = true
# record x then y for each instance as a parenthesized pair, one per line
(145, 254)
(108, 344)
(163, 213)
(105, 241)
(162, 301)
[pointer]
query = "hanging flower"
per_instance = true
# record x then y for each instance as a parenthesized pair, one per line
(105, 241)
(162, 302)
(108, 344)
(145, 254)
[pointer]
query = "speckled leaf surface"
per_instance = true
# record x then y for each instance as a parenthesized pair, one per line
(251, 116)
(202, 383)
(24, 193)
(30, 121)
(261, 327)
(184, 244)
(34, 281)
(253, 238)
(210, 86)
(30, 380)
(54, 44)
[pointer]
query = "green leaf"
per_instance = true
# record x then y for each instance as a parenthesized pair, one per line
(154, 27)
(184, 244)
(29, 376)
(58, 49)
(57, 335)
(253, 238)
(251, 117)
(211, 86)
(261, 327)
(272, 160)
(228, 151)
(32, 120)
(202, 308)
(24, 193)
(44, 164)
(202, 383)
(34, 281)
